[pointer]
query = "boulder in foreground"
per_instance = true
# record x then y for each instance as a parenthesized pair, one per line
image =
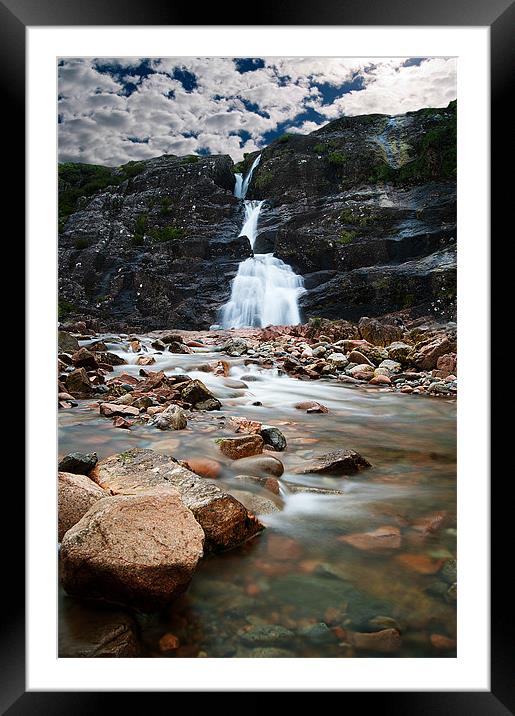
(138, 550)
(76, 494)
(225, 521)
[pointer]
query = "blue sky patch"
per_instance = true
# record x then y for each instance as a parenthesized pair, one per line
(244, 136)
(252, 107)
(187, 79)
(248, 64)
(414, 61)
(330, 92)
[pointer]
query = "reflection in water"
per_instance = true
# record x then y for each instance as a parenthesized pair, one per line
(299, 572)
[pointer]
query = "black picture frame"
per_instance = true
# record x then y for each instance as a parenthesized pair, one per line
(15, 17)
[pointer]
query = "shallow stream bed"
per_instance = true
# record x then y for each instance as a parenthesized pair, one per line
(270, 596)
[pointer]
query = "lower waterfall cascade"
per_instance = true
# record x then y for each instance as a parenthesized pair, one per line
(265, 291)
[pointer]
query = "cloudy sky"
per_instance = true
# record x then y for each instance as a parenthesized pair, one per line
(111, 111)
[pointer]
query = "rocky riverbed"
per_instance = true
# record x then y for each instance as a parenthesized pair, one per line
(259, 493)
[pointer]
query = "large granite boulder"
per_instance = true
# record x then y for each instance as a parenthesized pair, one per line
(75, 495)
(137, 550)
(225, 521)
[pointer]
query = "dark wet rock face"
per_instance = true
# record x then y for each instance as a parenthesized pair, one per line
(364, 208)
(78, 463)
(158, 249)
(97, 631)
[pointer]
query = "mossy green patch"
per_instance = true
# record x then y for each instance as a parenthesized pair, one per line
(77, 180)
(64, 308)
(166, 233)
(346, 237)
(131, 169)
(166, 207)
(356, 216)
(141, 225)
(381, 284)
(336, 158)
(263, 179)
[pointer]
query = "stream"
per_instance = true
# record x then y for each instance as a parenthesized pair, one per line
(299, 574)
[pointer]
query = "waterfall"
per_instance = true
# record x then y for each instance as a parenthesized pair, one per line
(265, 291)
(249, 229)
(238, 186)
(241, 185)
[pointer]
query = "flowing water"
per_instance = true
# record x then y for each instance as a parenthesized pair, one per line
(390, 141)
(265, 291)
(242, 185)
(298, 572)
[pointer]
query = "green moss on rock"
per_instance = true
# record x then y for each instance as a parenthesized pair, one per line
(346, 237)
(166, 233)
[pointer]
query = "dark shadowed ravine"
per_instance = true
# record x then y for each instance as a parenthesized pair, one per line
(300, 588)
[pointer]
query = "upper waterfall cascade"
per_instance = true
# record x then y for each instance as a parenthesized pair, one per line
(265, 291)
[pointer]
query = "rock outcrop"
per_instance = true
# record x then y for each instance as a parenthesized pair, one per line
(364, 208)
(225, 521)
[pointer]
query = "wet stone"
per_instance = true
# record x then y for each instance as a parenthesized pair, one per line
(266, 634)
(318, 633)
(255, 504)
(241, 447)
(270, 652)
(91, 631)
(78, 463)
(274, 437)
(260, 465)
(338, 462)
(449, 571)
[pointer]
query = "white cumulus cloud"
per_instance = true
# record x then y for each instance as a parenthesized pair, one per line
(113, 110)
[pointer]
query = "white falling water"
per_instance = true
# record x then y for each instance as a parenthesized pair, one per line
(238, 186)
(265, 291)
(241, 191)
(249, 229)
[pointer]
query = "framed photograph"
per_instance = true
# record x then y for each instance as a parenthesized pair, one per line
(255, 253)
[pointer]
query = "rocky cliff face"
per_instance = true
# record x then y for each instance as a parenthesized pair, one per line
(364, 209)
